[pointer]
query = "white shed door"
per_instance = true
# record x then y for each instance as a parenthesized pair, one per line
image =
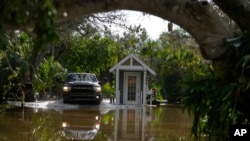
(132, 87)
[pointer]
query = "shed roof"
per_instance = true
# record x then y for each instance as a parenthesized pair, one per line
(131, 62)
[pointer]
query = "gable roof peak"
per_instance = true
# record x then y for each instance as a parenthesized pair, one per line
(131, 58)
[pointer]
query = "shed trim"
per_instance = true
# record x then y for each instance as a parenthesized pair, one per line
(120, 65)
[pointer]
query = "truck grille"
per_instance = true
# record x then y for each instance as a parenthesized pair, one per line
(81, 88)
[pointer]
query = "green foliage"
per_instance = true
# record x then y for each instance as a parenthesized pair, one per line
(175, 65)
(150, 52)
(133, 39)
(46, 127)
(20, 52)
(158, 88)
(39, 14)
(174, 57)
(2, 109)
(46, 74)
(213, 106)
(108, 118)
(3, 40)
(95, 54)
(108, 90)
(14, 63)
(40, 17)
(218, 96)
(15, 11)
(211, 102)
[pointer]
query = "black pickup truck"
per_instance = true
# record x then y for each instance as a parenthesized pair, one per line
(82, 87)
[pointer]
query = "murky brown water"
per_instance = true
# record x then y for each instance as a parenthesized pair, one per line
(96, 123)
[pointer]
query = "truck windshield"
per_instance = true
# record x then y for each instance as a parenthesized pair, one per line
(81, 77)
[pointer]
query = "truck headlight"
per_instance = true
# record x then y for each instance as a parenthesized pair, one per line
(64, 124)
(98, 89)
(97, 126)
(66, 88)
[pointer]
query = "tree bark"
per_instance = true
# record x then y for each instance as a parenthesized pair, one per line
(238, 11)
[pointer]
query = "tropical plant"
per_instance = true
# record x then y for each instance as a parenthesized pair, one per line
(14, 65)
(177, 59)
(46, 74)
(150, 51)
(133, 39)
(109, 91)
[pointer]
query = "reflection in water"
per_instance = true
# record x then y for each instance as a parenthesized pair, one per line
(128, 123)
(152, 124)
(80, 126)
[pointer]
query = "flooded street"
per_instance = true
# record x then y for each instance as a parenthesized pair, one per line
(105, 122)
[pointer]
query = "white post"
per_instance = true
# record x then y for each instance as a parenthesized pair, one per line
(117, 92)
(144, 87)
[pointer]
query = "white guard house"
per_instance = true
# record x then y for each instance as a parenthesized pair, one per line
(131, 81)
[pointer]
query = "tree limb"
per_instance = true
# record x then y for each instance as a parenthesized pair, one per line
(238, 10)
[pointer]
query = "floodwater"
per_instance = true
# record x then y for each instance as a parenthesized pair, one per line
(106, 122)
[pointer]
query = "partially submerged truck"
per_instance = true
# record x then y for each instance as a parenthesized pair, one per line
(82, 87)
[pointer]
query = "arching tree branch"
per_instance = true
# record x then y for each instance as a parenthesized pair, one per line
(238, 10)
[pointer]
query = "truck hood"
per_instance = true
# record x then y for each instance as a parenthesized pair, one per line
(82, 83)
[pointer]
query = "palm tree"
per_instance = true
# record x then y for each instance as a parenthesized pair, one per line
(150, 50)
